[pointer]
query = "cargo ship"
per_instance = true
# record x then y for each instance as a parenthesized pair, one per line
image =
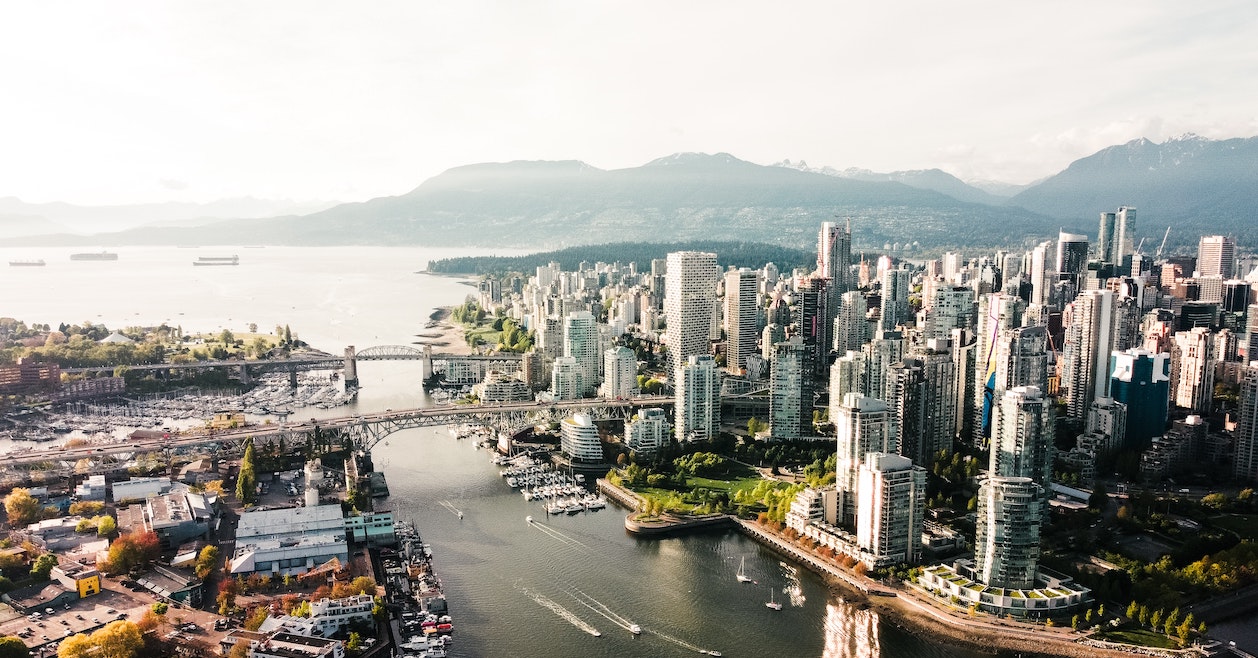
(217, 260)
(95, 255)
(27, 263)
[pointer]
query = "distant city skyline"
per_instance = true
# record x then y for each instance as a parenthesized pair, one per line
(178, 102)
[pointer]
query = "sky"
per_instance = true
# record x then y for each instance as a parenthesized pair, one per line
(129, 102)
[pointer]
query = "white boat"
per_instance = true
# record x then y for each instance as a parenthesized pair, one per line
(742, 572)
(771, 604)
(635, 629)
(528, 519)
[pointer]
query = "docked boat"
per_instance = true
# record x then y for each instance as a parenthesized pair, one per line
(95, 255)
(27, 263)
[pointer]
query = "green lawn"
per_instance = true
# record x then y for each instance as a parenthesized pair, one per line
(486, 333)
(728, 486)
(1140, 637)
(1244, 525)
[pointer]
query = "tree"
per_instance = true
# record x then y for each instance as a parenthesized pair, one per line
(1074, 622)
(43, 566)
(1133, 610)
(355, 642)
(207, 560)
(131, 550)
(22, 507)
(256, 616)
(160, 608)
(1155, 619)
(1215, 501)
(86, 508)
(118, 639)
(1099, 497)
(13, 647)
(107, 527)
(246, 482)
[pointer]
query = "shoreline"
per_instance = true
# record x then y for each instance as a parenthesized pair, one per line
(904, 608)
(442, 335)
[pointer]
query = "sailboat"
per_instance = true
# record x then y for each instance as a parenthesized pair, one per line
(771, 604)
(742, 571)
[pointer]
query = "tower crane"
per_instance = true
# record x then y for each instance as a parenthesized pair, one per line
(1158, 255)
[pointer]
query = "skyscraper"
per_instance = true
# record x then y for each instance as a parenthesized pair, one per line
(566, 379)
(1141, 380)
(921, 401)
(790, 392)
(689, 302)
(698, 406)
(1245, 462)
(581, 342)
(851, 329)
(951, 307)
(814, 324)
(742, 297)
(834, 257)
(895, 300)
(1007, 536)
(1072, 257)
(861, 426)
(1088, 344)
(620, 373)
(1105, 237)
(1192, 369)
(1116, 238)
(996, 312)
(1216, 256)
(892, 508)
(1022, 436)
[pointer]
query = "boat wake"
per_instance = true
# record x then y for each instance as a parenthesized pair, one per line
(595, 605)
(684, 644)
(451, 508)
(559, 535)
(563, 612)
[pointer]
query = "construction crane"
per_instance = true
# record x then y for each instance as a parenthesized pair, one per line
(1158, 255)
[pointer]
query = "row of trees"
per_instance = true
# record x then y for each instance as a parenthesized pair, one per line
(1161, 621)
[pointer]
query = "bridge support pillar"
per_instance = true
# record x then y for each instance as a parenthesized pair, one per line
(292, 379)
(351, 367)
(245, 378)
(426, 369)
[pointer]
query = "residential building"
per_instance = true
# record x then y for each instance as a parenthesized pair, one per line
(581, 342)
(790, 392)
(742, 317)
(851, 328)
(579, 439)
(1192, 370)
(1022, 436)
(1245, 461)
(327, 617)
(647, 431)
(895, 300)
(698, 406)
(1007, 537)
(892, 507)
(689, 303)
(1088, 344)
(862, 426)
(620, 373)
(566, 379)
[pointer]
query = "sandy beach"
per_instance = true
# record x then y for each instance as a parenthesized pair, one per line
(444, 336)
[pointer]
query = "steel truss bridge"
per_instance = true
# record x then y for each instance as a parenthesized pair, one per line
(457, 368)
(364, 431)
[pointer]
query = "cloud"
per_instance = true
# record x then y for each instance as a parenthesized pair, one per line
(173, 184)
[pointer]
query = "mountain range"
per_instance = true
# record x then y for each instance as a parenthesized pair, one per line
(1195, 184)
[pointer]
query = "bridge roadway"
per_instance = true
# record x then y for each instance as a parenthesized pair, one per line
(322, 361)
(366, 430)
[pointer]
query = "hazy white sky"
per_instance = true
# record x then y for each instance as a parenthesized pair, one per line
(116, 102)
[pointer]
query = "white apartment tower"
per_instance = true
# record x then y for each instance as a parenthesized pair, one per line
(742, 307)
(698, 406)
(579, 439)
(1088, 344)
(1192, 369)
(862, 427)
(851, 329)
(689, 302)
(620, 373)
(892, 508)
